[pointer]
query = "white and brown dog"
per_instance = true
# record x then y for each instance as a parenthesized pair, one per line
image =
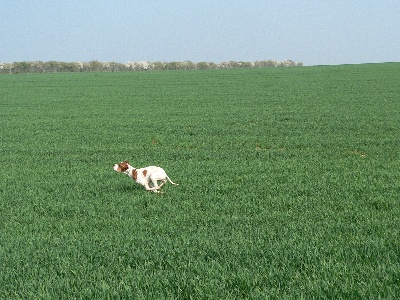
(145, 176)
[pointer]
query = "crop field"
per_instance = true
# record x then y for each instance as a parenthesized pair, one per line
(289, 184)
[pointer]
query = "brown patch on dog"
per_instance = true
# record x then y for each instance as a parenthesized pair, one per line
(122, 167)
(144, 173)
(134, 174)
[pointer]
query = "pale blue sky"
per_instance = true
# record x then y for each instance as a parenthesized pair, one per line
(310, 31)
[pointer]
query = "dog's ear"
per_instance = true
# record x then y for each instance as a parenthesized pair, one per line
(127, 162)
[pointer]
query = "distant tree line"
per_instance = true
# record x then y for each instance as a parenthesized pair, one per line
(96, 66)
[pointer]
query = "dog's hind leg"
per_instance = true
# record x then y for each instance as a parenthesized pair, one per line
(153, 189)
(163, 181)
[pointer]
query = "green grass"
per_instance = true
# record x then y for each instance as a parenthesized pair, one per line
(289, 184)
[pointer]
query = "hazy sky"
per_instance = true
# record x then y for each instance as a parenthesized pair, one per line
(310, 31)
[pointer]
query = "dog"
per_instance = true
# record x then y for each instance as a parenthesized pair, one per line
(145, 176)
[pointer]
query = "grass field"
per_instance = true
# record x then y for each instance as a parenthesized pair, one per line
(289, 184)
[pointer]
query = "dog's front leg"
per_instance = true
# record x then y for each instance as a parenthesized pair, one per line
(153, 189)
(155, 184)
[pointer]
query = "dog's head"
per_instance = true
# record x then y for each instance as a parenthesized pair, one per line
(121, 167)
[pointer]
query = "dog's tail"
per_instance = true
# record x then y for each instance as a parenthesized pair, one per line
(169, 179)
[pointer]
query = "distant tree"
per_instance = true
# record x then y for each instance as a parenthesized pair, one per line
(202, 65)
(115, 67)
(265, 64)
(138, 66)
(52, 66)
(37, 67)
(21, 67)
(142, 66)
(224, 65)
(246, 64)
(258, 64)
(95, 66)
(212, 65)
(6, 68)
(188, 65)
(174, 65)
(159, 65)
(69, 67)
